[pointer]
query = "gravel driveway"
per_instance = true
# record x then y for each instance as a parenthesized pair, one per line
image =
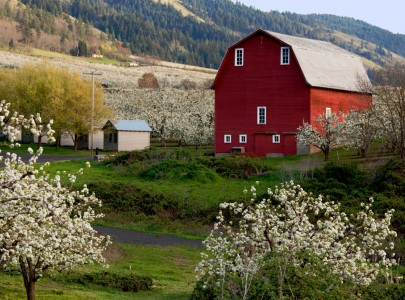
(144, 238)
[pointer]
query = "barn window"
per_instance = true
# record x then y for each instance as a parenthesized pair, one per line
(242, 138)
(261, 115)
(328, 112)
(285, 55)
(227, 138)
(276, 139)
(239, 57)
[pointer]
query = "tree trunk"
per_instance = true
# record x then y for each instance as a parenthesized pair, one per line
(326, 153)
(57, 144)
(30, 288)
(364, 153)
(39, 141)
(28, 273)
(75, 142)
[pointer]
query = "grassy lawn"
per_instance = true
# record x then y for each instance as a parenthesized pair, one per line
(171, 268)
(47, 150)
(191, 196)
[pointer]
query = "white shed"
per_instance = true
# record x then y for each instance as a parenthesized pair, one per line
(126, 135)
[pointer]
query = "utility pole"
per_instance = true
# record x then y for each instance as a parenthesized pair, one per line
(92, 112)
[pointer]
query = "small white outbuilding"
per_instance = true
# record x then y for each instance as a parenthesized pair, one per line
(126, 135)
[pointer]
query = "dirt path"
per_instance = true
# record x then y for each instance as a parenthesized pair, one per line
(144, 238)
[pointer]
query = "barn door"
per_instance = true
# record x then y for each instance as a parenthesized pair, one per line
(289, 144)
(263, 144)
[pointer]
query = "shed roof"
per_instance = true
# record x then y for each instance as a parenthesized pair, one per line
(131, 125)
(325, 64)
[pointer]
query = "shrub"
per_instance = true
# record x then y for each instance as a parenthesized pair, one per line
(148, 156)
(171, 169)
(120, 196)
(240, 167)
(123, 282)
(148, 81)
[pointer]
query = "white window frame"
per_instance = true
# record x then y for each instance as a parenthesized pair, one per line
(243, 138)
(328, 112)
(259, 114)
(239, 60)
(276, 139)
(226, 140)
(285, 57)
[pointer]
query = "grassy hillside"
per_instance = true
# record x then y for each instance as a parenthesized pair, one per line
(189, 31)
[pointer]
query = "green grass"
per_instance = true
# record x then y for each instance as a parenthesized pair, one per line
(50, 54)
(200, 201)
(171, 268)
(47, 150)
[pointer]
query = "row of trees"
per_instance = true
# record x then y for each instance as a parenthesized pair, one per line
(58, 95)
(383, 121)
(174, 114)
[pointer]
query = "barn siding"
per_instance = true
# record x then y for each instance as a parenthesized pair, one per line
(261, 81)
(337, 100)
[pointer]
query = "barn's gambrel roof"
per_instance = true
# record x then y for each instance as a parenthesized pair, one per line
(323, 64)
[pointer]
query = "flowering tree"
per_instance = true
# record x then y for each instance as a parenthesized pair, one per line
(389, 102)
(43, 225)
(186, 116)
(248, 236)
(361, 129)
(324, 135)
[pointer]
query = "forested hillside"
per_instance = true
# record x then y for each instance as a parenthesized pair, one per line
(200, 36)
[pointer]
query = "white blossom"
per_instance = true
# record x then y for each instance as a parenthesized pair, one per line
(43, 225)
(355, 248)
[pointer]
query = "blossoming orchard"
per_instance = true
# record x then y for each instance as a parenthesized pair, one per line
(256, 241)
(43, 225)
(185, 116)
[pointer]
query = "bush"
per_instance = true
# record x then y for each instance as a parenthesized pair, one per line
(240, 167)
(148, 156)
(390, 178)
(148, 81)
(120, 196)
(123, 282)
(171, 169)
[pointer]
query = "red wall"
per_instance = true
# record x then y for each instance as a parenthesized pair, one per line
(261, 81)
(337, 101)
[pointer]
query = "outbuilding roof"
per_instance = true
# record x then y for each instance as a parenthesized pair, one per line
(131, 125)
(324, 64)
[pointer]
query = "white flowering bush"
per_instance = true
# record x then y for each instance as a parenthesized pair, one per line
(43, 225)
(325, 133)
(361, 130)
(276, 231)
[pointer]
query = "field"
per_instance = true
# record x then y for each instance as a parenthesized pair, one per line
(113, 75)
(177, 191)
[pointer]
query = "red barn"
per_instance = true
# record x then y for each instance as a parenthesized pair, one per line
(269, 83)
